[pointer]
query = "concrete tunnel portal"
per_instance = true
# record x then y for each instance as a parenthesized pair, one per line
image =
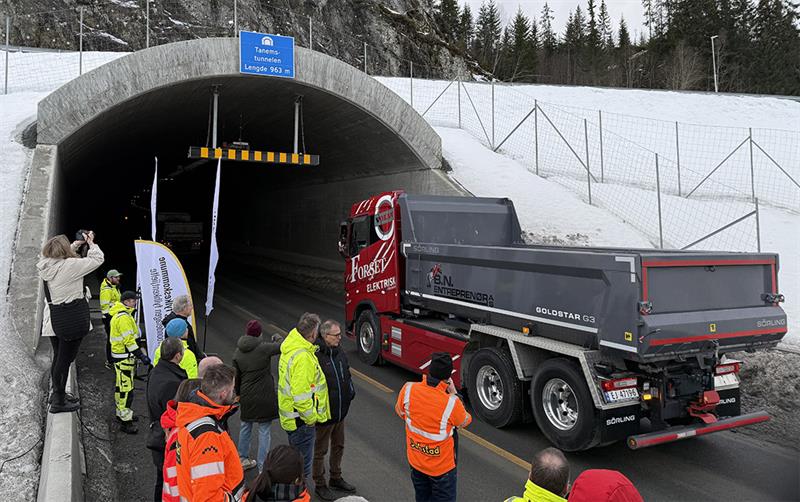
(105, 128)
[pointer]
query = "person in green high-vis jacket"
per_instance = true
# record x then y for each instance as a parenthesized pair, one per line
(179, 328)
(302, 390)
(548, 480)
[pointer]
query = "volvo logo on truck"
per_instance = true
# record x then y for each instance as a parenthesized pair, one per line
(384, 218)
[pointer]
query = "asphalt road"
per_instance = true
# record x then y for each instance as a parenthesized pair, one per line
(724, 466)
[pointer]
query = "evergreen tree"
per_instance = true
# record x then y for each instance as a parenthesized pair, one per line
(447, 14)
(776, 48)
(592, 32)
(546, 34)
(487, 36)
(604, 26)
(523, 49)
(624, 36)
(466, 28)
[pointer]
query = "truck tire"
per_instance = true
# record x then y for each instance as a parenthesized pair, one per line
(563, 407)
(494, 390)
(368, 338)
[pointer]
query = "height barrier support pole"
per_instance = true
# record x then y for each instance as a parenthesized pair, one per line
(8, 49)
(235, 18)
(80, 45)
(660, 222)
(588, 170)
(536, 133)
(297, 101)
(602, 161)
(214, 118)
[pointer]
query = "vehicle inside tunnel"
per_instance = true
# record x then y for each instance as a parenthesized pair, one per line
(105, 169)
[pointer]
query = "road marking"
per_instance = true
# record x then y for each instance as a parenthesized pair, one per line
(371, 381)
(495, 449)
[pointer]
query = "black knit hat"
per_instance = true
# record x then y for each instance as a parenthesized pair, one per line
(441, 365)
(128, 295)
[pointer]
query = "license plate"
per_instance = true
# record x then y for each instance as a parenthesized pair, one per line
(727, 380)
(613, 396)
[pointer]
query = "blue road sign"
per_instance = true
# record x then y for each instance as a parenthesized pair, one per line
(265, 54)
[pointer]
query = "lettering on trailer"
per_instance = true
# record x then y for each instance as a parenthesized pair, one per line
(389, 283)
(730, 400)
(765, 323)
(620, 420)
(588, 318)
(266, 54)
(442, 284)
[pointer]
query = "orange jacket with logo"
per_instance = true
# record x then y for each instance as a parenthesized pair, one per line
(430, 414)
(208, 464)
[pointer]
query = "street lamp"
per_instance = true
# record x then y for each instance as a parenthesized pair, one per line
(714, 63)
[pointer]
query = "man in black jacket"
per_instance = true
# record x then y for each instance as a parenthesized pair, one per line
(333, 361)
(162, 385)
(182, 308)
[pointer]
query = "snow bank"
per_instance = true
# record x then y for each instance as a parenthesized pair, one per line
(20, 392)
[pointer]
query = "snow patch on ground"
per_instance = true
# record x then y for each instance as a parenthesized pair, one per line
(548, 212)
(20, 386)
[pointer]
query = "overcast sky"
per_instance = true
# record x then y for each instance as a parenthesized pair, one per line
(631, 9)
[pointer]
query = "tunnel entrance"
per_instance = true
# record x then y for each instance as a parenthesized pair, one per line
(109, 125)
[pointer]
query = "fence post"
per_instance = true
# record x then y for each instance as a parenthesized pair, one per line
(411, 80)
(678, 156)
(752, 168)
(492, 114)
(8, 49)
(758, 227)
(235, 18)
(310, 34)
(365, 58)
(588, 170)
(147, 24)
(660, 221)
(536, 133)
(459, 100)
(80, 44)
(602, 162)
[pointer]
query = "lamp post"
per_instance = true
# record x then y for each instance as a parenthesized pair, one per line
(714, 63)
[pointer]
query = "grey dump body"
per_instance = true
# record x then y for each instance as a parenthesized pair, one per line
(466, 257)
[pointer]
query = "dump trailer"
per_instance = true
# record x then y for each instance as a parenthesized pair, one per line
(593, 344)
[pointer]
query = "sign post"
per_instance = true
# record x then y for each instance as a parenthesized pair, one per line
(266, 55)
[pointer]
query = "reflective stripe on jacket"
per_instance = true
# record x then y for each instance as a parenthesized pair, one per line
(188, 361)
(109, 295)
(209, 469)
(430, 414)
(302, 391)
(124, 332)
(170, 492)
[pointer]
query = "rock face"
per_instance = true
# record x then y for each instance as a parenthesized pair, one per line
(396, 32)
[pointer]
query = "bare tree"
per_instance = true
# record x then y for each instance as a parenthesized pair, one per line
(683, 70)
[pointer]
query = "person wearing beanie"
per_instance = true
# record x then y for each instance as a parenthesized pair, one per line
(281, 478)
(255, 387)
(430, 447)
(179, 328)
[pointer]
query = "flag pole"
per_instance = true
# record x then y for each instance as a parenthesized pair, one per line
(213, 257)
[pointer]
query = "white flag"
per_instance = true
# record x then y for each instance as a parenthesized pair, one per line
(214, 256)
(153, 198)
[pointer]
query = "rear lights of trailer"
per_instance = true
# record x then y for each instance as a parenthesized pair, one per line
(620, 389)
(728, 368)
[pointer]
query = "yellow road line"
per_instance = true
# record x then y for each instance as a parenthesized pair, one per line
(494, 449)
(371, 381)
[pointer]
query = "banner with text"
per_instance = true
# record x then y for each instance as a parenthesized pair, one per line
(161, 278)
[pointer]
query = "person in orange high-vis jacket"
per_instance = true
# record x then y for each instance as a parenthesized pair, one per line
(432, 411)
(208, 463)
(186, 389)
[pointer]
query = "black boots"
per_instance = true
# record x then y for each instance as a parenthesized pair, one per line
(60, 403)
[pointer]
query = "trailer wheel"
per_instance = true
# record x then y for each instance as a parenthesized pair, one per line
(494, 390)
(368, 338)
(563, 407)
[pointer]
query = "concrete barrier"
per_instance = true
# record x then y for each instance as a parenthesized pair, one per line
(61, 476)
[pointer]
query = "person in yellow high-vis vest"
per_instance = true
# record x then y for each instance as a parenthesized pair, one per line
(124, 347)
(302, 390)
(109, 295)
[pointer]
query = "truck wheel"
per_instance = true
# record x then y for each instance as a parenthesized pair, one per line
(368, 338)
(563, 407)
(494, 390)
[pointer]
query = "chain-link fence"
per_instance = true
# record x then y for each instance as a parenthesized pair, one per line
(683, 185)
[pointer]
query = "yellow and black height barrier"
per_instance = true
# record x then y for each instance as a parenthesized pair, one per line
(299, 159)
